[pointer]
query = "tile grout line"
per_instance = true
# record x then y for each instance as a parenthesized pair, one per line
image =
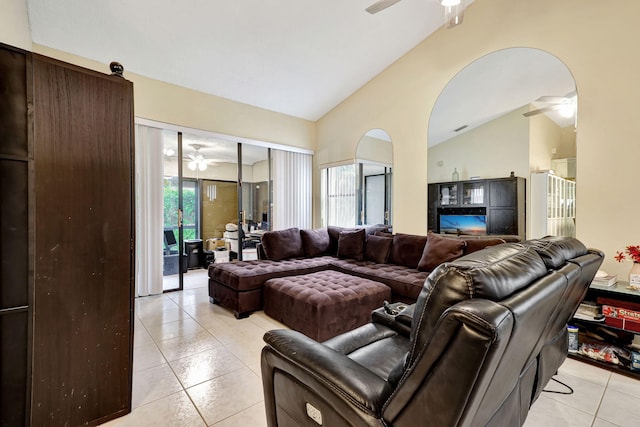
(604, 391)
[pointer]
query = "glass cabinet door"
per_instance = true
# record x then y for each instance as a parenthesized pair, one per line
(448, 195)
(473, 193)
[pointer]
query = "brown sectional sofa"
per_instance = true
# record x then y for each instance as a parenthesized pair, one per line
(400, 261)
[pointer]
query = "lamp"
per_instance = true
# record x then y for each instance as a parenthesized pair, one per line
(453, 12)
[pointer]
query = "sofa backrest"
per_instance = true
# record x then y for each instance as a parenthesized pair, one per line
(493, 274)
(480, 325)
(282, 244)
(582, 266)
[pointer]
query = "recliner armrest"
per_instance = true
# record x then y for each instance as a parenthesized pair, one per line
(400, 322)
(341, 375)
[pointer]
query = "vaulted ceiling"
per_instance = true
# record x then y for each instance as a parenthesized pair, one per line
(297, 57)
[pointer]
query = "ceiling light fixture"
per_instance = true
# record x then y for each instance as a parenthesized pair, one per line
(197, 161)
(168, 152)
(567, 109)
(453, 12)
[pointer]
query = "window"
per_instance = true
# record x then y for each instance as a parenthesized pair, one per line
(339, 196)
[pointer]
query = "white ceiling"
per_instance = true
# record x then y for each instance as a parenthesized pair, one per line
(298, 57)
(496, 84)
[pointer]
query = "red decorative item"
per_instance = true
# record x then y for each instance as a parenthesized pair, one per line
(633, 252)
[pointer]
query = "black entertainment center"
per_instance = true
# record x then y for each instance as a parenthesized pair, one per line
(478, 207)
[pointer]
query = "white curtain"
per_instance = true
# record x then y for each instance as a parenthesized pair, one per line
(340, 195)
(291, 174)
(149, 219)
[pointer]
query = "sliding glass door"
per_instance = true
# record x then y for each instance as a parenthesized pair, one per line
(213, 198)
(174, 261)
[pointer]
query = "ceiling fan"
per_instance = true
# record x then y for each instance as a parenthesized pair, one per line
(197, 160)
(380, 5)
(565, 105)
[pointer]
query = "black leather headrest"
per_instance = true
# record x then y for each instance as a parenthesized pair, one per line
(556, 250)
(494, 273)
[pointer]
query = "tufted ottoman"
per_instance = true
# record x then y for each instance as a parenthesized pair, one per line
(324, 304)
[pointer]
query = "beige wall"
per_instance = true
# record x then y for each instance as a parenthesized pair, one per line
(598, 48)
(167, 103)
(14, 24)
(375, 150)
(545, 136)
(473, 153)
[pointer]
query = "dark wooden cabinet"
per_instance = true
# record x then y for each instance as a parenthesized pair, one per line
(499, 202)
(16, 274)
(68, 191)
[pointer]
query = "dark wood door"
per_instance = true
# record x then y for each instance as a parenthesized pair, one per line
(83, 287)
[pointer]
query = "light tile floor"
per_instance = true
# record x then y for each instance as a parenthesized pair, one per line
(196, 365)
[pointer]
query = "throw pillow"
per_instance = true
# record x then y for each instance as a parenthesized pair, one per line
(407, 249)
(351, 244)
(334, 234)
(477, 244)
(315, 242)
(377, 249)
(383, 233)
(282, 244)
(438, 250)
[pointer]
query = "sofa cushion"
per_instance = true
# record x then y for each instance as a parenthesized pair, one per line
(377, 248)
(407, 249)
(379, 228)
(282, 244)
(405, 283)
(555, 250)
(315, 242)
(439, 249)
(334, 234)
(351, 244)
(244, 276)
(383, 233)
(475, 244)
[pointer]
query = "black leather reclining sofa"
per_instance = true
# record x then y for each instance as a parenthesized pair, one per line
(486, 334)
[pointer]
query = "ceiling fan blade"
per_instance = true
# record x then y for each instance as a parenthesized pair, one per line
(552, 99)
(542, 110)
(557, 99)
(380, 5)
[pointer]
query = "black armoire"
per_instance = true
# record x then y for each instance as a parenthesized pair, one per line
(66, 242)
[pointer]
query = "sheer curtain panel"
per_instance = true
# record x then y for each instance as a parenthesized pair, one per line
(340, 195)
(291, 174)
(149, 220)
